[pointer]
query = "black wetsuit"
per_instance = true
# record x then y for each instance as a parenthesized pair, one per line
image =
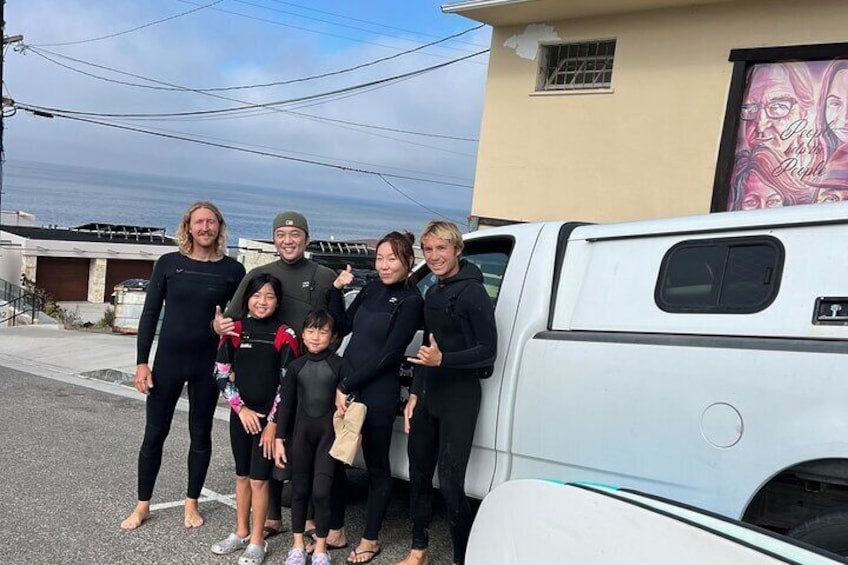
(459, 314)
(383, 318)
(307, 286)
(186, 353)
(258, 358)
(308, 398)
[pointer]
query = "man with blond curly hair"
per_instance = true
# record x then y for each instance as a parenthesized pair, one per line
(192, 282)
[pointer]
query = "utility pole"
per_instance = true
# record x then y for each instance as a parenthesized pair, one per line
(4, 102)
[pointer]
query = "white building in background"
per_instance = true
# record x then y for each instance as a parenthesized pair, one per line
(78, 264)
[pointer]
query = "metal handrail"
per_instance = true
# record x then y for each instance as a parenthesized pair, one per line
(19, 301)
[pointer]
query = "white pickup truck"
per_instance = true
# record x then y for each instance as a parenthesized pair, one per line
(701, 359)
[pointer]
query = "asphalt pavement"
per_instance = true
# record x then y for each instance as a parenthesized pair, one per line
(72, 426)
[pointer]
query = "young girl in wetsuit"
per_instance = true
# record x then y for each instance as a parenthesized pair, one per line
(308, 396)
(249, 370)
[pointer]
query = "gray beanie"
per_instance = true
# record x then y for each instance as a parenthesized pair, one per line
(291, 219)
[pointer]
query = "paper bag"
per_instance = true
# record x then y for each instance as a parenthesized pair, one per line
(348, 432)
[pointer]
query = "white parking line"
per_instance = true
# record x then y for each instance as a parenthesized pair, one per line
(206, 495)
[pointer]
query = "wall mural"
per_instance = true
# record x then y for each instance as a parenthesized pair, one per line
(792, 143)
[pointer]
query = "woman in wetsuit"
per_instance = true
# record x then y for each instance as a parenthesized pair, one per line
(383, 318)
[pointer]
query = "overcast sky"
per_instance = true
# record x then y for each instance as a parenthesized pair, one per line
(249, 42)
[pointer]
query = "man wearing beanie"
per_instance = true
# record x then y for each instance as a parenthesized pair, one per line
(306, 286)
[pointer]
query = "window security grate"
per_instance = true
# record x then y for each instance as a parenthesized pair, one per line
(577, 66)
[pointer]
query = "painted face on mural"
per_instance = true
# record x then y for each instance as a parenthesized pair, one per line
(831, 195)
(759, 194)
(770, 107)
(836, 106)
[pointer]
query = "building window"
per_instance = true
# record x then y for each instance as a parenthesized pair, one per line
(734, 276)
(577, 66)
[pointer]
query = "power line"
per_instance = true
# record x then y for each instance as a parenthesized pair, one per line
(365, 21)
(41, 54)
(384, 128)
(253, 106)
(274, 83)
(411, 199)
(143, 26)
(279, 11)
(309, 30)
(289, 151)
(321, 119)
(35, 110)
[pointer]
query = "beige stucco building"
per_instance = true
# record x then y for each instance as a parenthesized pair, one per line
(646, 144)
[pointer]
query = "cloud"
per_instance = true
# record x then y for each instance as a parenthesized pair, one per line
(214, 49)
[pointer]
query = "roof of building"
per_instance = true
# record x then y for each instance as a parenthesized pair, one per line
(518, 12)
(105, 233)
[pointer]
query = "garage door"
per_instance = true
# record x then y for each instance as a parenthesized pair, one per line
(119, 270)
(64, 278)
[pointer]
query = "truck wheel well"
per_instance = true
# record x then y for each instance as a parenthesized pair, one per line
(799, 493)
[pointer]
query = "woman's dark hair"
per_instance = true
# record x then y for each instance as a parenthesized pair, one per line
(257, 282)
(401, 244)
(319, 319)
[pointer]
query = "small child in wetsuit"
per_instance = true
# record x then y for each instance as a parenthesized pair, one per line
(308, 395)
(249, 370)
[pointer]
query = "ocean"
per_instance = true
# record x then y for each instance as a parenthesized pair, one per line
(69, 196)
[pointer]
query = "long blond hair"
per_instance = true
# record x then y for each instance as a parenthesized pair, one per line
(184, 239)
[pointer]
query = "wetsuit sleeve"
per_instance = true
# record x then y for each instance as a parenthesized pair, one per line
(419, 372)
(288, 353)
(336, 363)
(478, 316)
(288, 396)
(234, 307)
(152, 308)
(350, 313)
(407, 320)
(237, 280)
(223, 371)
(335, 306)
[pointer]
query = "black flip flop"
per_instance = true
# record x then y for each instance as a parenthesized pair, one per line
(374, 554)
(269, 532)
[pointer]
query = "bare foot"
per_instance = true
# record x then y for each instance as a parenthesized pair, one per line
(336, 538)
(193, 518)
(137, 518)
(415, 557)
(364, 552)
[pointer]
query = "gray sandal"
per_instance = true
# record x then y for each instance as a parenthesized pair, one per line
(296, 557)
(230, 544)
(254, 554)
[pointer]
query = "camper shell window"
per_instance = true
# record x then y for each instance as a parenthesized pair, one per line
(733, 276)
